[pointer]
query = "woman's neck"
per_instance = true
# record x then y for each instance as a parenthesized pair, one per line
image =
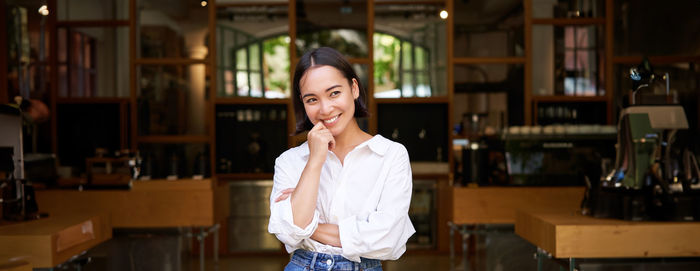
(351, 137)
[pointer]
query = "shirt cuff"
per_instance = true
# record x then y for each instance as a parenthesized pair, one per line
(348, 231)
(284, 210)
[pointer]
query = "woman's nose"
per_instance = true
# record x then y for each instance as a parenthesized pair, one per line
(326, 108)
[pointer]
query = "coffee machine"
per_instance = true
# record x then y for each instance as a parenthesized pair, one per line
(17, 200)
(654, 177)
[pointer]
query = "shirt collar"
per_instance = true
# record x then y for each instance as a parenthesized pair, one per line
(378, 144)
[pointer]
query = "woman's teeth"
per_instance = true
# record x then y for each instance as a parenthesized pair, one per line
(331, 119)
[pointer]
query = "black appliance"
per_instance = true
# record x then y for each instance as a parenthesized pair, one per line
(655, 175)
(17, 200)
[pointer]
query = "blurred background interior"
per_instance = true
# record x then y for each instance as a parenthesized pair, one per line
(157, 122)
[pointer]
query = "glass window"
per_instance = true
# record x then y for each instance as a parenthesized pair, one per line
(568, 9)
(568, 60)
(171, 99)
(276, 67)
(242, 59)
(256, 39)
(93, 62)
(172, 29)
(409, 51)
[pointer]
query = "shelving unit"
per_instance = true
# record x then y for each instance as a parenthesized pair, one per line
(519, 59)
(532, 101)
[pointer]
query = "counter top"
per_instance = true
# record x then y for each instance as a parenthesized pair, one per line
(498, 204)
(148, 204)
(50, 241)
(572, 235)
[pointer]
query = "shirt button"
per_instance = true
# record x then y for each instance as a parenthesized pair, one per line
(329, 262)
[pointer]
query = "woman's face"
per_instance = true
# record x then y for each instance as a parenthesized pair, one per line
(327, 97)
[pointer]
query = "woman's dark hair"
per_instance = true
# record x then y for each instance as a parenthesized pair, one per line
(320, 57)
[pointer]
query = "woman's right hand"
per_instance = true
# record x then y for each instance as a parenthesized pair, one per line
(320, 142)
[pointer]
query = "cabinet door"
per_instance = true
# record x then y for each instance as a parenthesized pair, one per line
(421, 128)
(250, 137)
(172, 99)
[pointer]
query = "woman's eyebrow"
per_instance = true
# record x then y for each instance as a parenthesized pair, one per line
(328, 89)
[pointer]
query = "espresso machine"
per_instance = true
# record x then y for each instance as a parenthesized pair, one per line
(18, 203)
(654, 177)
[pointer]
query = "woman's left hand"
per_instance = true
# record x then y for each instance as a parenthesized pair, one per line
(285, 194)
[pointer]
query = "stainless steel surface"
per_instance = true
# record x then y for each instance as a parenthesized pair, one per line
(250, 213)
(423, 212)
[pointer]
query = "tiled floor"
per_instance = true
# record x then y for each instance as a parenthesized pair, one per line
(506, 251)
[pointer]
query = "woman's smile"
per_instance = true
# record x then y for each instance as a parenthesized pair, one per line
(330, 121)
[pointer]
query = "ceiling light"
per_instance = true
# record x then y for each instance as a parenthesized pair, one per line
(43, 10)
(443, 14)
(203, 3)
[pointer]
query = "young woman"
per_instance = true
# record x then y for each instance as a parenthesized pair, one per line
(339, 200)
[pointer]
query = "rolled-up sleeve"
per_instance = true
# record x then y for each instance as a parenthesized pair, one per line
(382, 234)
(281, 217)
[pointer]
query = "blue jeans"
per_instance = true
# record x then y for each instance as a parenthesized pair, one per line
(304, 260)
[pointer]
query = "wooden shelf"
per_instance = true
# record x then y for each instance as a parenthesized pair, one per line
(412, 100)
(569, 99)
(568, 21)
(171, 139)
(91, 100)
(93, 23)
(250, 100)
(431, 176)
(476, 137)
(655, 59)
(170, 61)
(252, 3)
(427, 2)
(244, 176)
(488, 60)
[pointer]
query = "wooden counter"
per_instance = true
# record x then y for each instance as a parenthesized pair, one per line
(8, 263)
(50, 241)
(148, 204)
(572, 235)
(497, 205)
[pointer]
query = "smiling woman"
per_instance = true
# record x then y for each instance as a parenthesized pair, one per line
(317, 186)
(335, 65)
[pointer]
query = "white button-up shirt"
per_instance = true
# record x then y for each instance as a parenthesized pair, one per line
(367, 197)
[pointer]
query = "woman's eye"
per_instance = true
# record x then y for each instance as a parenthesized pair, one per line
(335, 93)
(310, 100)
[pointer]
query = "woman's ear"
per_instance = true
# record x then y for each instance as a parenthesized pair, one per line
(355, 89)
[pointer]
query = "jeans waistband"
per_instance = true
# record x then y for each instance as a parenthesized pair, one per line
(316, 260)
